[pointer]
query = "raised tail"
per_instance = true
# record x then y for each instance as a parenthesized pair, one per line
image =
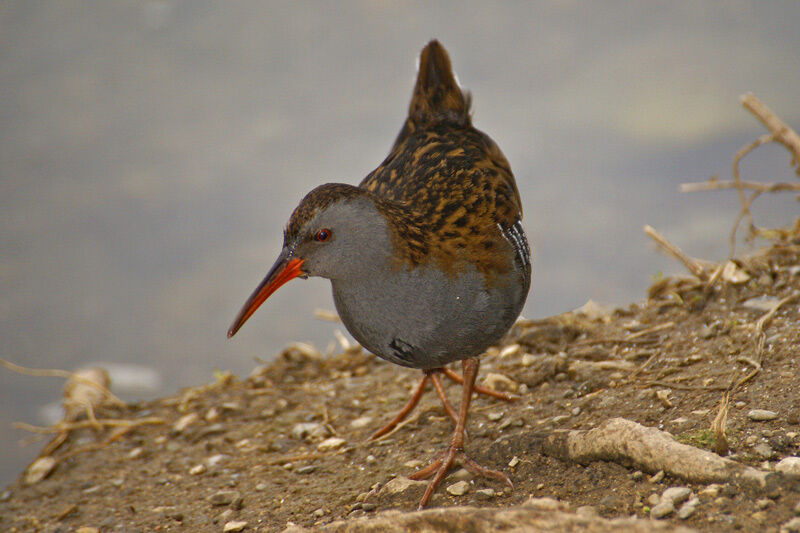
(437, 96)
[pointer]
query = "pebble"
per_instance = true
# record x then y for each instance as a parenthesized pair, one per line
(657, 477)
(494, 417)
(462, 474)
(331, 443)
(661, 510)
(370, 459)
(637, 475)
(413, 463)
(403, 485)
(184, 422)
(196, 470)
(262, 487)
(763, 503)
(215, 459)
(586, 511)
(223, 497)
(792, 526)
(369, 507)
(485, 494)
(39, 470)
(361, 422)
(513, 462)
(319, 513)
(135, 453)
(528, 359)
(499, 382)
(310, 430)
(306, 469)
(761, 415)
(688, 508)
(234, 526)
(459, 488)
(789, 465)
(763, 450)
(676, 495)
(576, 411)
(711, 491)
(559, 418)
(87, 529)
(654, 499)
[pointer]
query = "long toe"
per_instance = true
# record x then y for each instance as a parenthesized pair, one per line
(443, 463)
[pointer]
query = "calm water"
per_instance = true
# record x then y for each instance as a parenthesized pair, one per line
(150, 153)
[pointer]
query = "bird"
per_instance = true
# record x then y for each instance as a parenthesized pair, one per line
(427, 257)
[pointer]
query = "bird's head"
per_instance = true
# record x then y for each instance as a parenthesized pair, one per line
(336, 232)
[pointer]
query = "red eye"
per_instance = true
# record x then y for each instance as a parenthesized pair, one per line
(322, 235)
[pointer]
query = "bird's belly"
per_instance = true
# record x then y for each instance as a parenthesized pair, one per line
(424, 318)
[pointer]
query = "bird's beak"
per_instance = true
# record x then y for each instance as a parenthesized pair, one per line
(284, 269)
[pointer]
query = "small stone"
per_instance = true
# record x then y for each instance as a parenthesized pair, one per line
(413, 463)
(223, 497)
(759, 516)
(499, 382)
(763, 503)
(212, 415)
(792, 526)
(546, 504)
(559, 418)
(459, 488)
(509, 351)
(513, 462)
(319, 513)
(87, 529)
(39, 470)
(495, 416)
(763, 450)
(662, 510)
(306, 469)
(789, 465)
(135, 453)
(184, 422)
(576, 411)
(528, 359)
(761, 415)
(214, 460)
(403, 486)
(361, 422)
(196, 470)
(676, 495)
(331, 443)
(688, 509)
(310, 430)
(234, 525)
(485, 494)
(637, 475)
(368, 507)
(751, 440)
(586, 511)
(370, 459)
(462, 474)
(261, 487)
(710, 492)
(657, 477)
(654, 499)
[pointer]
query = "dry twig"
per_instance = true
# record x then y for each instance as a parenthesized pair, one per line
(692, 265)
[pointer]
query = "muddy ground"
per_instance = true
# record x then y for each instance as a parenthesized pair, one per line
(286, 445)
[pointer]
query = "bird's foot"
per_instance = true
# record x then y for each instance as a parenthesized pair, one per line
(437, 385)
(443, 463)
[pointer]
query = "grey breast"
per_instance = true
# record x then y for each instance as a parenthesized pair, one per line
(423, 318)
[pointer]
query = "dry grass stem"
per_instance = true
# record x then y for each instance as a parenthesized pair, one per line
(692, 265)
(43, 372)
